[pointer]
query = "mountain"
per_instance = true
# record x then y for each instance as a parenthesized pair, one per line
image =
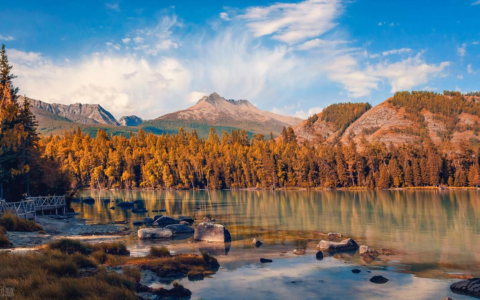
(78, 113)
(130, 121)
(216, 111)
(404, 118)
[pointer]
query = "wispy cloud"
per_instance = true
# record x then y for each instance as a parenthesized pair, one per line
(293, 22)
(159, 68)
(476, 2)
(112, 6)
(462, 50)
(6, 38)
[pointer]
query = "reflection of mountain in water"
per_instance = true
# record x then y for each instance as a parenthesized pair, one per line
(431, 227)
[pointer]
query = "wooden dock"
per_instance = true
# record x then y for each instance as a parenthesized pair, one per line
(29, 207)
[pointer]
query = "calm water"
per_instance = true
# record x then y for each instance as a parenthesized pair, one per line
(435, 232)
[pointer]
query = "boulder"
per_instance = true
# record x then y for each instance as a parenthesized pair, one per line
(186, 219)
(345, 245)
(356, 271)
(157, 217)
(184, 223)
(89, 200)
(208, 231)
(334, 235)
(139, 210)
(319, 255)
(265, 260)
(154, 233)
(378, 279)
(112, 208)
(470, 287)
(138, 223)
(148, 220)
(257, 243)
(179, 228)
(164, 221)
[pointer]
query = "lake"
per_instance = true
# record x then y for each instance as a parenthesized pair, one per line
(434, 232)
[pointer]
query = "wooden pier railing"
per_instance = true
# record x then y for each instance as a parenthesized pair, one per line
(29, 207)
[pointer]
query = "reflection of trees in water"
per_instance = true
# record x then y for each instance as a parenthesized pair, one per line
(432, 226)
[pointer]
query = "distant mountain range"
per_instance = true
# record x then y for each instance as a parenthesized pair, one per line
(404, 118)
(210, 111)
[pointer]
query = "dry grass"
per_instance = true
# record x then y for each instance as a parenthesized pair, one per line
(68, 269)
(51, 274)
(13, 223)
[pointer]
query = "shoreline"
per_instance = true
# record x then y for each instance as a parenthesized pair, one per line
(315, 189)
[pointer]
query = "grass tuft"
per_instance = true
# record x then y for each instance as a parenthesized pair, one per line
(12, 222)
(159, 252)
(69, 246)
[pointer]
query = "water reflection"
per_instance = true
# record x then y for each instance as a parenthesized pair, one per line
(434, 230)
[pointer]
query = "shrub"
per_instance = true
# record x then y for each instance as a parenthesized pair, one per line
(82, 261)
(100, 256)
(132, 273)
(12, 222)
(114, 248)
(61, 268)
(4, 242)
(69, 246)
(159, 252)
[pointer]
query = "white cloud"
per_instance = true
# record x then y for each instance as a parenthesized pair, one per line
(138, 40)
(470, 69)
(293, 110)
(397, 51)
(462, 50)
(224, 16)
(402, 75)
(6, 38)
(120, 84)
(317, 43)
(112, 6)
(408, 73)
(126, 40)
(293, 22)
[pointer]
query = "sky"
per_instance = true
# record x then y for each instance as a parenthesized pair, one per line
(149, 58)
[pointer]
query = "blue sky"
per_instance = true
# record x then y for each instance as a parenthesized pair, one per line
(294, 57)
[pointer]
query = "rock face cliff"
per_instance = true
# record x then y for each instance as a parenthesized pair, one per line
(406, 118)
(78, 113)
(130, 121)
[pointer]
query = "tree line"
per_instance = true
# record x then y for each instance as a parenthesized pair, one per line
(233, 160)
(24, 170)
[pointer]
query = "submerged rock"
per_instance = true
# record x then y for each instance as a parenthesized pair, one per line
(257, 243)
(470, 287)
(378, 279)
(208, 231)
(125, 204)
(195, 276)
(299, 251)
(334, 235)
(179, 228)
(388, 252)
(368, 254)
(138, 223)
(345, 245)
(154, 233)
(186, 219)
(356, 271)
(265, 260)
(88, 200)
(319, 255)
(164, 221)
(367, 250)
